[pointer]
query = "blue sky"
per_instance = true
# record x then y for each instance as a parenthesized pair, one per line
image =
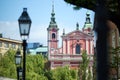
(40, 13)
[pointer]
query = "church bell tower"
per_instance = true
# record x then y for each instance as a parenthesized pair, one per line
(52, 33)
(88, 25)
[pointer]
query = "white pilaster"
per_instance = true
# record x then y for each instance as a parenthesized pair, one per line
(48, 36)
(68, 47)
(91, 46)
(64, 46)
(87, 46)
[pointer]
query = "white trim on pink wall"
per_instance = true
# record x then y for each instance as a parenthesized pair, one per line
(87, 46)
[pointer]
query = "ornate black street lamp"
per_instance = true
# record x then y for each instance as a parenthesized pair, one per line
(20, 73)
(24, 27)
(18, 59)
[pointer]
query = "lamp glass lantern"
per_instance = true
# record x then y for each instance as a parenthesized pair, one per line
(20, 72)
(18, 58)
(24, 24)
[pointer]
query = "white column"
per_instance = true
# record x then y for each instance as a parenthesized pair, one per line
(48, 38)
(91, 46)
(87, 46)
(68, 47)
(64, 46)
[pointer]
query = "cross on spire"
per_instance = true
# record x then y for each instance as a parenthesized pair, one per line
(52, 6)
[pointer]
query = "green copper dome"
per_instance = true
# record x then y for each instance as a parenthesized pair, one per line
(88, 23)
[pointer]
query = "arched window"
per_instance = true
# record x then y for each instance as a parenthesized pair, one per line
(53, 35)
(78, 49)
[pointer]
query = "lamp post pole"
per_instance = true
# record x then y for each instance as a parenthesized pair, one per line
(17, 73)
(24, 27)
(24, 58)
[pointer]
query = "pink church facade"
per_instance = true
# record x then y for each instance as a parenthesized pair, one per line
(73, 43)
(77, 39)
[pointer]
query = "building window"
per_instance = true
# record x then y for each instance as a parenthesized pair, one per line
(78, 47)
(53, 35)
(19, 47)
(13, 45)
(6, 45)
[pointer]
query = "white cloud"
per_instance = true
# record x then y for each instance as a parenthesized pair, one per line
(9, 30)
(38, 33)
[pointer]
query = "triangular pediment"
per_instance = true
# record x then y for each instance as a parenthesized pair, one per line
(77, 34)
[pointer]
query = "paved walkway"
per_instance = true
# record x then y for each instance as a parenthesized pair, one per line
(3, 78)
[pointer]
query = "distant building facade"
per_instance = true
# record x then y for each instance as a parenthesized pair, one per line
(33, 45)
(37, 48)
(7, 43)
(73, 44)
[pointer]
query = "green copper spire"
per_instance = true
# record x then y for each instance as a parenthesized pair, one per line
(88, 23)
(88, 17)
(53, 22)
(53, 14)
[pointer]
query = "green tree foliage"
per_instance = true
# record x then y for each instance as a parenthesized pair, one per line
(35, 68)
(84, 66)
(91, 4)
(62, 73)
(89, 75)
(7, 65)
(94, 65)
(115, 59)
(115, 56)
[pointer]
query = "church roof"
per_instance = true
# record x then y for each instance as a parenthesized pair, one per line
(77, 34)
